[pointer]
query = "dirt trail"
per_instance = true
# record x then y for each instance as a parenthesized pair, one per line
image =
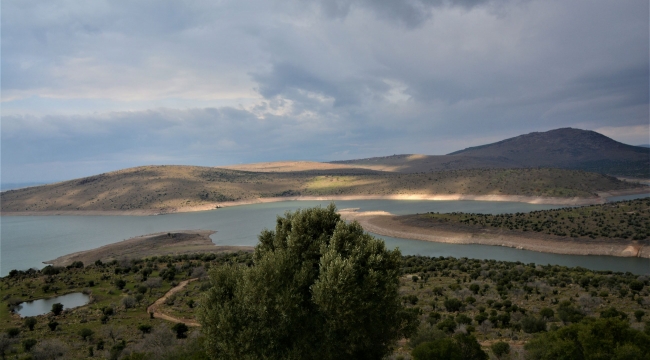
(153, 308)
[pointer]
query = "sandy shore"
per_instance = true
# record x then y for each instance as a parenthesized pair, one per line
(575, 201)
(173, 243)
(383, 223)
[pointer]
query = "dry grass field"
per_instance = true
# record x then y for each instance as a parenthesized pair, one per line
(163, 189)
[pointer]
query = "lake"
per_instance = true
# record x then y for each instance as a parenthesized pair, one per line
(27, 241)
(44, 306)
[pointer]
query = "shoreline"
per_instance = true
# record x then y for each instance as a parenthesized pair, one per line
(574, 201)
(156, 244)
(387, 224)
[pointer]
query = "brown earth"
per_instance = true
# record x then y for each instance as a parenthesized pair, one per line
(413, 227)
(155, 307)
(173, 243)
(152, 190)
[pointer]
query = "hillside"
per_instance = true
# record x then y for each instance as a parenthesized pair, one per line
(561, 148)
(163, 189)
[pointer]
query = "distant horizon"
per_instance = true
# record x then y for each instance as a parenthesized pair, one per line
(4, 186)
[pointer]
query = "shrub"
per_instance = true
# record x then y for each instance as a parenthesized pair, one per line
(57, 309)
(453, 304)
(86, 333)
(30, 322)
(28, 344)
(532, 325)
(500, 348)
(13, 332)
(181, 330)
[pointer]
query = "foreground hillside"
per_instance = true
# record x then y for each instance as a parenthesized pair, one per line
(162, 189)
(522, 305)
(560, 148)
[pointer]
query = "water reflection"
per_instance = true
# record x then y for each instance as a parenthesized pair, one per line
(44, 306)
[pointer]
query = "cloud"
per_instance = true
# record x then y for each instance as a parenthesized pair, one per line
(115, 83)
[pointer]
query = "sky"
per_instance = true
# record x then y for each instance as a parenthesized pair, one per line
(94, 86)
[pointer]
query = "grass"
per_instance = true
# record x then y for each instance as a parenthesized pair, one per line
(492, 288)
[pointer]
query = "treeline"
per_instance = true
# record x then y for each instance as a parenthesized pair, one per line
(618, 220)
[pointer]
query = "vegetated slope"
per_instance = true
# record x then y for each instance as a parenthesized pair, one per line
(618, 220)
(508, 301)
(172, 188)
(561, 148)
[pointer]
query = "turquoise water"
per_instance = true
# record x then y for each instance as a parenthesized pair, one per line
(27, 241)
(44, 306)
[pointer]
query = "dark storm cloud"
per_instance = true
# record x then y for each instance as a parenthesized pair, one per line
(411, 13)
(97, 86)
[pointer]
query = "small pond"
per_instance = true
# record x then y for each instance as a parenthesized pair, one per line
(44, 306)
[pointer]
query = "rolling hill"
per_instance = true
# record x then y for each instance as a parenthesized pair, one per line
(561, 148)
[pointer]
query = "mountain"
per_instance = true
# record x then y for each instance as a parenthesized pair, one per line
(561, 148)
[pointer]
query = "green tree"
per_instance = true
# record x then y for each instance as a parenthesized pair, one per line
(319, 288)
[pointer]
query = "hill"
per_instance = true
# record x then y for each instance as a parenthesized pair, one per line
(561, 148)
(164, 189)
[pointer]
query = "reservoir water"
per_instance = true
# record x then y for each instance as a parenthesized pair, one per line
(44, 306)
(27, 241)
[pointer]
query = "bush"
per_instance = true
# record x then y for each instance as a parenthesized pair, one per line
(52, 325)
(638, 314)
(453, 304)
(532, 325)
(500, 348)
(144, 328)
(547, 313)
(448, 325)
(57, 309)
(85, 333)
(444, 348)
(120, 284)
(181, 330)
(28, 344)
(13, 332)
(30, 322)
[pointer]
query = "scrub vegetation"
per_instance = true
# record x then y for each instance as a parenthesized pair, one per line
(160, 189)
(619, 220)
(526, 306)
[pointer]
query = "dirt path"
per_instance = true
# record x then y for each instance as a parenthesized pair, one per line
(153, 308)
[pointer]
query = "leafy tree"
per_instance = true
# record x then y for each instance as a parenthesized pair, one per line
(57, 309)
(500, 348)
(319, 288)
(30, 322)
